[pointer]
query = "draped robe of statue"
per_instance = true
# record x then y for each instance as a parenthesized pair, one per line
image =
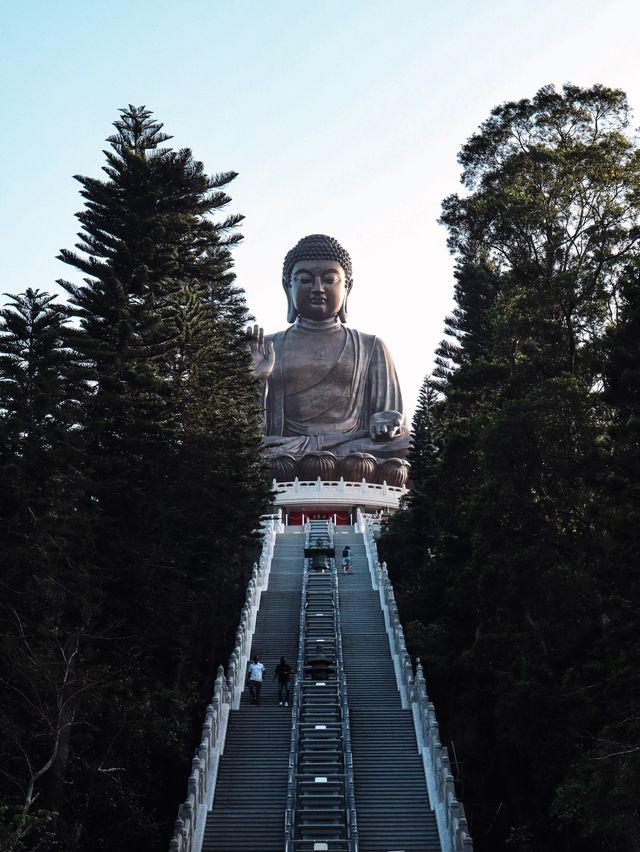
(326, 403)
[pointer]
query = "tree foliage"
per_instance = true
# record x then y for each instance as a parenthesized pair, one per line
(526, 624)
(133, 488)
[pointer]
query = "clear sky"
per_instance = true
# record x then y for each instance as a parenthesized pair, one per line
(342, 118)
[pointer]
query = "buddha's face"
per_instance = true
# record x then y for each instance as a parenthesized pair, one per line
(318, 288)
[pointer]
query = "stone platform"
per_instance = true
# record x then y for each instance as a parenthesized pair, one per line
(327, 496)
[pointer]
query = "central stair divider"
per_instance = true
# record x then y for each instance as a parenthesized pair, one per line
(320, 813)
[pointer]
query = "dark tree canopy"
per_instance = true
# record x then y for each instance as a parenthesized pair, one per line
(524, 623)
(134, 486)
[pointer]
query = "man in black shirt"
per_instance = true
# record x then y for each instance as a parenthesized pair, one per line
(282, 673)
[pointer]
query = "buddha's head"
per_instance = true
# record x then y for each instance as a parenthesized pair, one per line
(316, 277)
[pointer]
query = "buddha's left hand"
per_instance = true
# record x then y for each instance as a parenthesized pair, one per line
(385, 425)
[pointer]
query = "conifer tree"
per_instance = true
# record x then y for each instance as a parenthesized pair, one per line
(409, 542)
(424, 438)
(39, 385)
(174, 487)
(468, 335)
(45, 604)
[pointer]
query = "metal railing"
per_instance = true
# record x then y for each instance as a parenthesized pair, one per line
(292, 789)
(192, 813)
(350, 821)
(452, 823)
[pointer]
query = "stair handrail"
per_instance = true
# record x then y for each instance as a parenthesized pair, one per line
(352, 821)
(188, 830)
(450, 814)
(292, 788)
(292, 785)
(290, 812)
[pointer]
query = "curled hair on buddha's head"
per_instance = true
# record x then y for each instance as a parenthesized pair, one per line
(316, 247)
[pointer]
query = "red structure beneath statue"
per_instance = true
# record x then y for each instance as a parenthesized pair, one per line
(338, 517)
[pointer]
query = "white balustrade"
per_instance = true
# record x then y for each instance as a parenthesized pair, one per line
(338, 493)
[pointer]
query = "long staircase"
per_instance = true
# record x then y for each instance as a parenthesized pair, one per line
(266, 747)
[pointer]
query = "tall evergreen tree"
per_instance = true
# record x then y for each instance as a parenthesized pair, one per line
(409, 542)
(424, 437)
(45, 606)
(161, 498)
(172, 443)
(40, 381)
(468, 332)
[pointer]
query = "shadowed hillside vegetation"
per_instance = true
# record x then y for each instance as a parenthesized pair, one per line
(515, 560)
(130, 489)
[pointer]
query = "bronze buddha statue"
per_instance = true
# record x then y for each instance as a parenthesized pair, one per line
(326, 386)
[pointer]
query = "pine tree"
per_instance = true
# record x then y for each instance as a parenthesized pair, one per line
(39, 385)
(174, 487)
(410, 540)
(45, 605)
(468, 336)
(424, 437)
(148, 246)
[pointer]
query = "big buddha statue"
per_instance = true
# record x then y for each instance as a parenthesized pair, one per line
(326, 387)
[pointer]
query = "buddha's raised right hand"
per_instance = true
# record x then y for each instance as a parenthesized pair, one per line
(262, 354)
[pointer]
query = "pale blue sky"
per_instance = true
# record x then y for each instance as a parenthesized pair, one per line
(340, 117)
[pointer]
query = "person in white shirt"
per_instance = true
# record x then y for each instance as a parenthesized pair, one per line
(256, 672)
